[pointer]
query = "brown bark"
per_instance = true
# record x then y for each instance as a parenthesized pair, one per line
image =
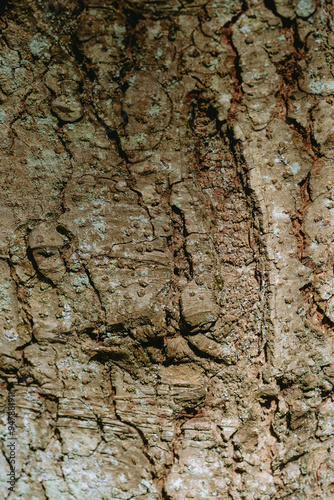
(166, 244)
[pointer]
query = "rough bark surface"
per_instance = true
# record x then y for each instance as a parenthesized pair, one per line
(167, 248)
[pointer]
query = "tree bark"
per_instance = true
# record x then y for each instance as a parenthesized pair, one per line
(166, 244)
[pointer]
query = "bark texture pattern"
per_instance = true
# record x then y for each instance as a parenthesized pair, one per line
(167, 248)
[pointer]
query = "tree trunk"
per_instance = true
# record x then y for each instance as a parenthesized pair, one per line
(167, 249)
